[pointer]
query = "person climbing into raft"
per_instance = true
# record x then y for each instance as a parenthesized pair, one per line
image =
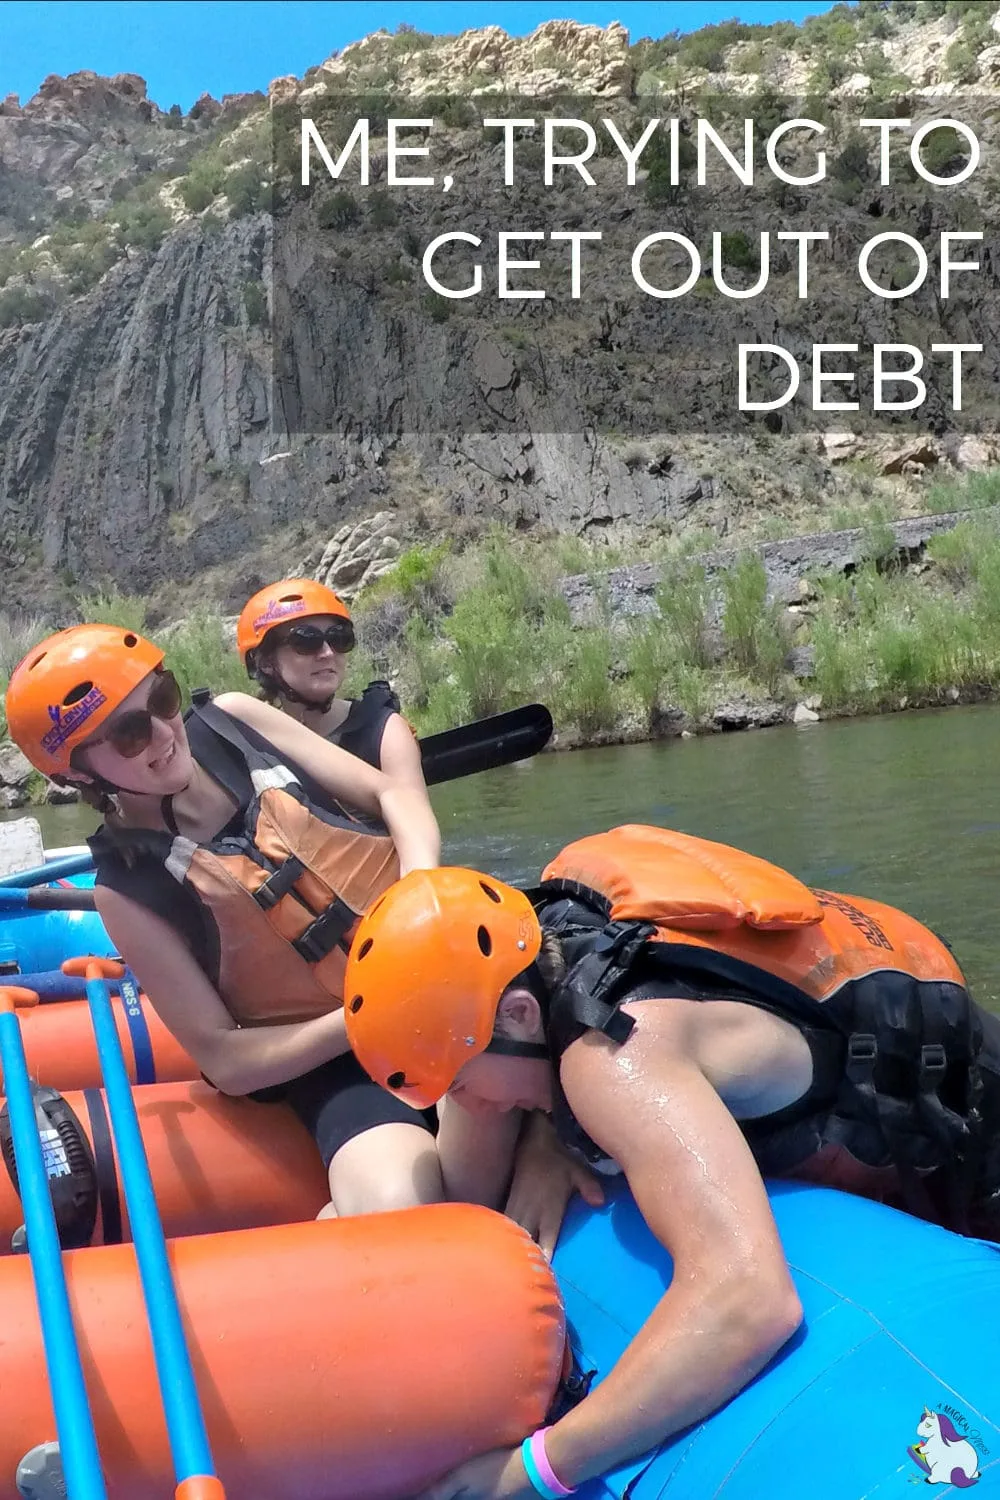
(237, 852)
(693, 1017)
(294, 638)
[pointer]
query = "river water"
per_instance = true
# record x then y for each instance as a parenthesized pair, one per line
(904, 808)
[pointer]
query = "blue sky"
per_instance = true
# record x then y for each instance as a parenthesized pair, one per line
(184, 48)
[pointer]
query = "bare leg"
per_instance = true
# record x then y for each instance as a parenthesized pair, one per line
(390, 1166)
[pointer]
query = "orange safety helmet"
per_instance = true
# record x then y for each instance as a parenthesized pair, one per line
(292, 598)
(68, 685)
(427, 967)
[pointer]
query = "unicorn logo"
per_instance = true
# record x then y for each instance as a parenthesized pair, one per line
(942, 1453)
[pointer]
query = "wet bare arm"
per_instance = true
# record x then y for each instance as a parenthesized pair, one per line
(236, 1059)
(731, 1304)
(401, 805)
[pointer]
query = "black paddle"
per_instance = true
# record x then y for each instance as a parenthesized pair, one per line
(497, 741)
(481, 746)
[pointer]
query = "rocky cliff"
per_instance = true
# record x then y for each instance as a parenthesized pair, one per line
(140, 441)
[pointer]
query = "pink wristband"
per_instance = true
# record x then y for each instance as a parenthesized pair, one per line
(538, 1453)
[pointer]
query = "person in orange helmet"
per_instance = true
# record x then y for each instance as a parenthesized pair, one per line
(237, 853)
(294, 638)
(691, 1017)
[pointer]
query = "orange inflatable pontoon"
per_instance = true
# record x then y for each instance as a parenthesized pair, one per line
(349, 1359)
(62, 1053)
(217, 1163)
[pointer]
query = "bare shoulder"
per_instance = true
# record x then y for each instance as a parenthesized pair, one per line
(243, 706)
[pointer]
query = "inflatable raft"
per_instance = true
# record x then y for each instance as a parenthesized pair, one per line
(356, 1359)
(38, 940)
(216, 1163)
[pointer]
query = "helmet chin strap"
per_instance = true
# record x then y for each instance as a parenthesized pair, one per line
(275, 679)
(507, 1047)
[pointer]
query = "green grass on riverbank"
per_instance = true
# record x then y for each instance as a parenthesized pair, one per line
(462, 635)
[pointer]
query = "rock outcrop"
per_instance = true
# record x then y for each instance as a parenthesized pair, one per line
(143, 439)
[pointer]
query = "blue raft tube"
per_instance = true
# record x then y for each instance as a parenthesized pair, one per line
(32, 941)
(893, 1379)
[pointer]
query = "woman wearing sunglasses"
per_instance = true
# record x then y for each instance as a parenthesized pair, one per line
(237, 853)
(294, 638)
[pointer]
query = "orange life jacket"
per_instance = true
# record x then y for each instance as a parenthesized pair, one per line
(643, 905)
(286, 890)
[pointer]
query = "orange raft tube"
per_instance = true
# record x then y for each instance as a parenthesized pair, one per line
(349, 1359)
(217, 1163)
(62, 1053)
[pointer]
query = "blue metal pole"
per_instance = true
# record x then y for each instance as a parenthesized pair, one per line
(56, 869)
(189, 1444)
(81, 1460)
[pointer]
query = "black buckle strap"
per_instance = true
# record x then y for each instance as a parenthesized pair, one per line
(329, 929)
(933, 1060)
(279, 884)
(862, 1055)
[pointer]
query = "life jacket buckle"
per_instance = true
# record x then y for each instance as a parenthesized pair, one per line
(862, 1054)
(933, 1059)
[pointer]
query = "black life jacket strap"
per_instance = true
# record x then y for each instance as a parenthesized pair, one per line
(586, 997)
(228, 729)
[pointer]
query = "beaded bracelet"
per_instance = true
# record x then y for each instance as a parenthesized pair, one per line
(538, 1469)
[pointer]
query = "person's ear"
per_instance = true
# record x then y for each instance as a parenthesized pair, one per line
(520, 1014)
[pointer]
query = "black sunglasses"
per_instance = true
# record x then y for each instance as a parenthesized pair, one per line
(130, 734)
(309, 640)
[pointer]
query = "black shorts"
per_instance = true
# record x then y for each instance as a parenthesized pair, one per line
(338, 1101)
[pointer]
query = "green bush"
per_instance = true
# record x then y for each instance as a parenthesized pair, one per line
(588, 697)
(338, 211)
(196, 194)
(682, 599)
(737, 250)
(109, 606)
(752, 626)
(200, 654)
(974, 492)
(22, 304)
(143, 225)
(381, 210)
(707, 47)
(247, 192)
(255, 303)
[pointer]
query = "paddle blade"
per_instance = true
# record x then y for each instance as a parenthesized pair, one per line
(496, 741)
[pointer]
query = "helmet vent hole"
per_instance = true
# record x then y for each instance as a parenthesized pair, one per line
(38, 660)
(396, 1080)
(485, 942)
(290, 599)
(356, 1004)
(365, 949)
(131, 640)
(493, 895)
(76, 693)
